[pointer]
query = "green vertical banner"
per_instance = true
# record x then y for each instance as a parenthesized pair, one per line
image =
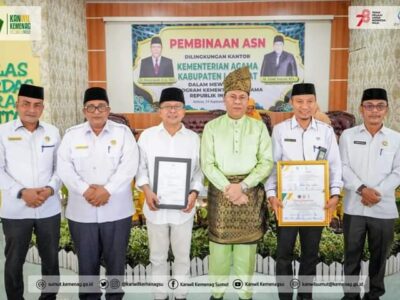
(17, 66)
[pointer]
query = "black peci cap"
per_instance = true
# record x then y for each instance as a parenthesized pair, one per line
(374, 94)
(95, 93)
(278, 38)
(172, 94)
(31, 91)
(303, 89)
(155, 40)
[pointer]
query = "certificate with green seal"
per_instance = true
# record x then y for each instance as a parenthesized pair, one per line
(303, 187)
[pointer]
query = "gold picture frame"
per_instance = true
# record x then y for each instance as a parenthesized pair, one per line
(303, 188)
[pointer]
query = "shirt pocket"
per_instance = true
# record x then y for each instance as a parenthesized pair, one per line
(113, 157)
(46, 155)
(385, 161)
(80, 159)
(46, 150)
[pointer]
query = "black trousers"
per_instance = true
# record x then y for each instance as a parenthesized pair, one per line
(94, 241)
(18, 234)
(380, 234)
(309, 242)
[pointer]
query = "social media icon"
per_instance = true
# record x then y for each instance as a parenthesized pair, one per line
(103, 283)
(41, 284)
(237, 284)
(114, 283)
(294, 283)
(173, 284)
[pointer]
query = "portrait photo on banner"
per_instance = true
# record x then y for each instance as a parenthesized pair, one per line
(197, 57)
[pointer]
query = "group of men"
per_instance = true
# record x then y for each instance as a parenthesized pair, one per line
(97, 161)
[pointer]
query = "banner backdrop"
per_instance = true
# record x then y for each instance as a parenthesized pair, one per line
(17, 66)
(197, 57)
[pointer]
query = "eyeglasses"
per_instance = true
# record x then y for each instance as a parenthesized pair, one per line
(171, 107)
(100, 108)
(371, 107)
(233, 98)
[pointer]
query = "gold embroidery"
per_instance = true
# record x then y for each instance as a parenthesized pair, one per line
(81, 147)
(233, 224)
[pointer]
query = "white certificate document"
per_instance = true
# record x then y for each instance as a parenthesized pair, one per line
(303, 189)
(172, 181)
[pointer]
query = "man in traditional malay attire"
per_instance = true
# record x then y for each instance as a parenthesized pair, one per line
(236, 157)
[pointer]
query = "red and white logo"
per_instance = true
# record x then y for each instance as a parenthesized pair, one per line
(364, 17)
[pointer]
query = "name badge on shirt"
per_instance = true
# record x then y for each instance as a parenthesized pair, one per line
(321, 155)
(290, 140)
(15, 138)
(81, 147)
(360, 142)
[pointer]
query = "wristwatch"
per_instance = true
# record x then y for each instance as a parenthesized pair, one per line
(19, 195)
(244, 187)
(194, 191)
(359, 190)
(52, 190)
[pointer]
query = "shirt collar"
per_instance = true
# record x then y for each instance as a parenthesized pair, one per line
(158, 59)
(383, 130)
(294, 123)
(18, 124)
(362, 128)
(182, 130)
(88, 129)
(236, 121)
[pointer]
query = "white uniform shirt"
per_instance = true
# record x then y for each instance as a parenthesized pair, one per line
(109, 159)
(156, 141)
(28, 160)
(291, 142)
(375, 162)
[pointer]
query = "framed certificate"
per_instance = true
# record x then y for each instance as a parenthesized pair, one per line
(303, 187)
(172, 181)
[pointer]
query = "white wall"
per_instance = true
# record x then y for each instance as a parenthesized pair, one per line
(317, 43)
(119, 66)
